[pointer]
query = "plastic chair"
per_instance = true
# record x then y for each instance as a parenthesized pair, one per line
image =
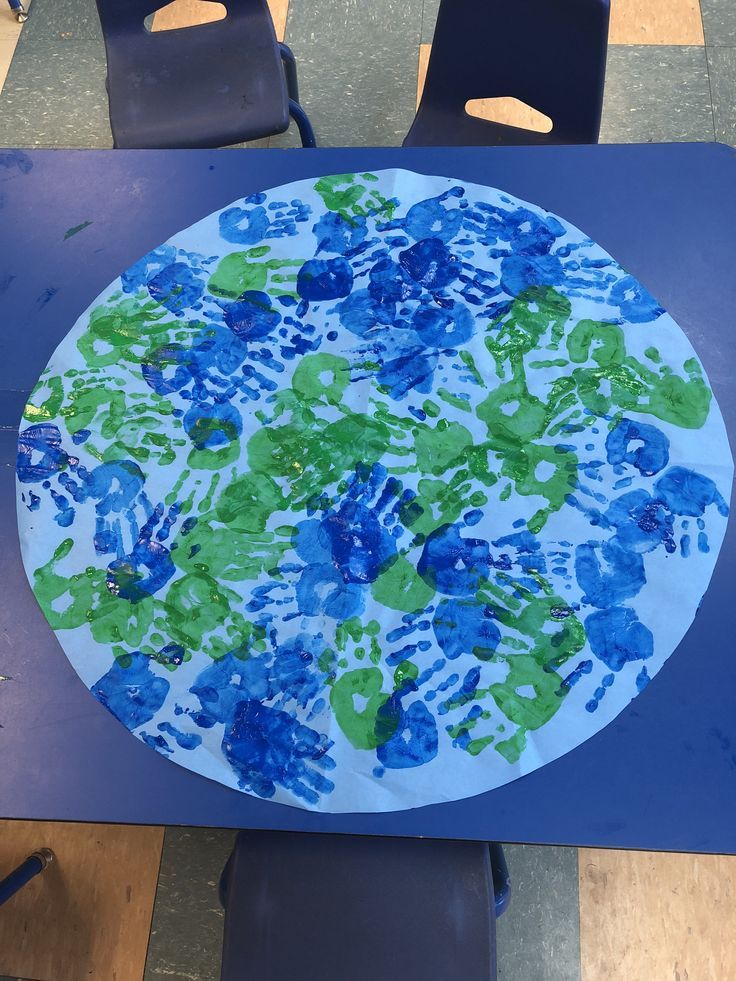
(207, 86)
(336, 907)
(550, 54)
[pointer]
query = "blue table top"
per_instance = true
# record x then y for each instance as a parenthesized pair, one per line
(661, 776)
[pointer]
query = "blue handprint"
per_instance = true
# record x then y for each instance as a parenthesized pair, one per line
(353, 542)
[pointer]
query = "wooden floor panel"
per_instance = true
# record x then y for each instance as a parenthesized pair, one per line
(9, 33)
(656, 22)
(88, 916)
(190, 13)
(647, 916)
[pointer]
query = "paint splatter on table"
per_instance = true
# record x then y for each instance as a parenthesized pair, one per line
(371, 492)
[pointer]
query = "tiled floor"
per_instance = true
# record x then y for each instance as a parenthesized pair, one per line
(671, 70)
(671, 76)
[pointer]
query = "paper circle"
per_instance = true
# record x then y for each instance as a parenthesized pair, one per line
(371, 492)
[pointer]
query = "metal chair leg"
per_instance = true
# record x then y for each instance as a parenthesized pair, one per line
(501, 878)
(21, 876)
(292, 85)
(21, 14)
(305, 127)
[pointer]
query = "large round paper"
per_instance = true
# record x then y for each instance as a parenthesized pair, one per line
(371, 492)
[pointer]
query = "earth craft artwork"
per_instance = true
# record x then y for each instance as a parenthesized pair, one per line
(371, 492)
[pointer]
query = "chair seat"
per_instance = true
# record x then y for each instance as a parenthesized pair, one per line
(193, 70)
(435, 127)
(346, 908)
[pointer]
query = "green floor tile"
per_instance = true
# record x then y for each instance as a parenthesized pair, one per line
(656, 94)
(722, 67)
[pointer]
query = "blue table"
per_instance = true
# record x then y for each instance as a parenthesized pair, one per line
(662, 776)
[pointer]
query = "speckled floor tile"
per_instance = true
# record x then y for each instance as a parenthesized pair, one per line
(55, 96)
(63, 20)
(719, 22)
(656, 94)
(357, 69)
(722, 68)
(348, 110)
(429, 19)
(329, 21)
(186, 933)
(538, 937)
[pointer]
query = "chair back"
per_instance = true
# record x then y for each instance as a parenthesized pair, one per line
(550, 54)
(428, 905)
(210, 85)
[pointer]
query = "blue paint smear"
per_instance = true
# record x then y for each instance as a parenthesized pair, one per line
(636, 304)
(187, 740)
(268, 748)
(431, 264)
(176, 287)
(252, 316)
(415, 741)
(133, 694)
(43, 439)
(608, 573)
(648, 458)
(156, 742)
(686, 492)
(466, 627)
(324, 279)
(452, 564)
(336, 234)
(322, 590)
(617, 636)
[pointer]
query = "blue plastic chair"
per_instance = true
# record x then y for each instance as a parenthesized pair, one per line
(550, 54)
(337, 907)
(207, 86)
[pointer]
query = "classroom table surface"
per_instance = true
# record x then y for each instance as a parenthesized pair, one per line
(661, 776)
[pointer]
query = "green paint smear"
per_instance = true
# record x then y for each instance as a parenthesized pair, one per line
(126, 331)
(365, 728)
(77, 228)
(50, 407)
(441, 449)
(401, 588)
(344, 194)
(453, 400)
(237, 273)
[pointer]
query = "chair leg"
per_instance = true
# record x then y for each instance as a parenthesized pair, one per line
(292, 85)
(224, 883)
(501, 879)
(305, 127)
(21, 14)
(21, 876)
